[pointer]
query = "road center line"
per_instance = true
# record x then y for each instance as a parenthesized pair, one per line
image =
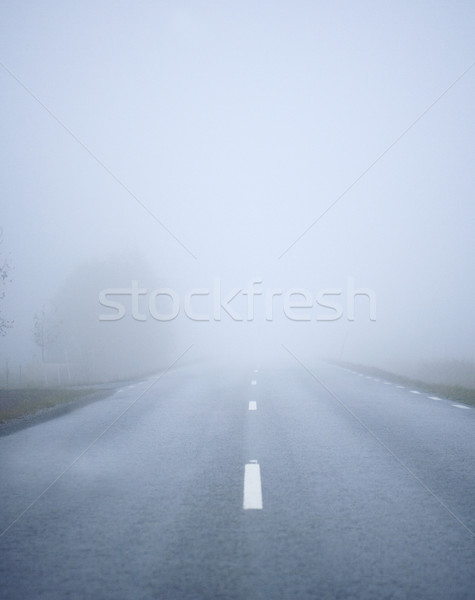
(252, 405)
(252, 487)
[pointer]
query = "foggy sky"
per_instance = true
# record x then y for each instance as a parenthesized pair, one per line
(237, 125)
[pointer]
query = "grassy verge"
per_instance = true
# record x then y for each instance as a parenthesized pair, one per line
(23, 402)
(457, 393)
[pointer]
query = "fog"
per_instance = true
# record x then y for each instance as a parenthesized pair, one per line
(310, 162)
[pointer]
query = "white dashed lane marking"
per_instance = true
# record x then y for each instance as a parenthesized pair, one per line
(461, 406)
(414, 392)
(252, 405)
(252, 499)
(253, 382)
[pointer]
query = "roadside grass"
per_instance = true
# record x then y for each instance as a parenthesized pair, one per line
(15, 403)
(457, 393)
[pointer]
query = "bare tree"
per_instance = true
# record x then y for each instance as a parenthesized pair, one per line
(5, 269)
(46, 328)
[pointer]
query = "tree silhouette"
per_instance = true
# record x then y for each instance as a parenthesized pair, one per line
(46, 328)
(5, 269)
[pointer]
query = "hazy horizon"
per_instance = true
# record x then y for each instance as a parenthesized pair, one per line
(308, 147)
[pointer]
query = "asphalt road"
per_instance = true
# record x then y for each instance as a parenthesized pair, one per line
(355, 488)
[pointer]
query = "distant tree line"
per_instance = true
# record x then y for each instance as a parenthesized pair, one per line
(69, 332)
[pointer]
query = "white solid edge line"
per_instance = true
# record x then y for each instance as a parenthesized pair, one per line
(461, 406)
(252, 498)
(252, 405)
